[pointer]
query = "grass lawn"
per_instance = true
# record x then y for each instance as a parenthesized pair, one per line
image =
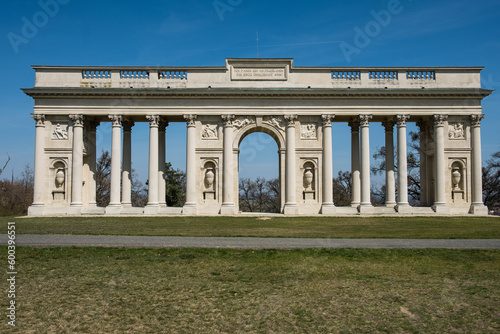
(97, 290)
(307, 227)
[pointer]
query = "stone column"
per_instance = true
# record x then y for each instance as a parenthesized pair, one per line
(190, 206)
(153, 205)
(403, 205)
(390, 183)
(77, 165)
(355, 168)
(38, 206)
(440, 205)
(328, 207)
(92, 152)
(162, 196)
(477, 206)
(114, 206)
(365, 205)
(291, 207)
(127, 164)
(423, 162)
(228, 207)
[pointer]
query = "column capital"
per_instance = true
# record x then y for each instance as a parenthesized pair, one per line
(388, 124)
(227, 120)
(401, 119)
(327, 119)
(39, 119)
(77, 119)
(290, 120)
(476, 120)
(154, 120)
(354, 124)
(364, 120)
(190, 119)
(163, 124)
(439, 119)
(116, 120)
(127, 125)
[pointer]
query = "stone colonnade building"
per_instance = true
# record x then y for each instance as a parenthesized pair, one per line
(294, 105)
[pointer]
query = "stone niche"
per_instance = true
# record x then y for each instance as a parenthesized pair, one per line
(59, 172)
(309, 181)
(458, 181)
(209, 181)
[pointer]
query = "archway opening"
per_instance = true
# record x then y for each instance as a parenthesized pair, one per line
(259, 173)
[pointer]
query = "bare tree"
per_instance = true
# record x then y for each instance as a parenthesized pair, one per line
(260, 195)
(4, 166)
(103, 179)
(342, 189)
(491, 182)
(16, 195)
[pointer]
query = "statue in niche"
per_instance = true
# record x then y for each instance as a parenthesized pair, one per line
(209, 132)
(308, 131)
(456, 131)
(60, 178)
(59, 133)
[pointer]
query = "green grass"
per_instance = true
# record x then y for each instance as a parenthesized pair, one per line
(97, 290)
(307, 227)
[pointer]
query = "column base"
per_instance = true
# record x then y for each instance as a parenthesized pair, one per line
(291, 209)
(403, 208)
(126, 205)
(479, 209)
(163, 205)
(390, 204)
(228, 209)
(190, 210)
(36, 210)
(355, 205)
(441, 209)
(328, 209)
(366, 208)
(151, 210)
(75, 210)
(113, 209)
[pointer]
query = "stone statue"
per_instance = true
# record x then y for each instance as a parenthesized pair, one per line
(209, 132)
(60, 133)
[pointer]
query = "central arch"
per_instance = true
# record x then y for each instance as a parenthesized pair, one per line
(278, 137)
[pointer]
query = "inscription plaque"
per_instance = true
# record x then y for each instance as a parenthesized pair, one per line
(258, 74)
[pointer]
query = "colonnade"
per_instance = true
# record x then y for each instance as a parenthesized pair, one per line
(120, 195)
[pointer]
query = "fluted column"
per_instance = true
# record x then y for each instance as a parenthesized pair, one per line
(37, 208)
(228, 207)
(440, 205)
(364, 123)
(153, 206)
(127, 164)
(355, 167)
(403, 205)
(114, 198)
(77, 165)
(190, 206)
(328, 206)
(390, 183)
(162, 196)
(423, 162)
(477, 206)
(92, 153)
(290, 170)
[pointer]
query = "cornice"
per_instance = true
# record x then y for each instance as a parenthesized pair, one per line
(215, 93)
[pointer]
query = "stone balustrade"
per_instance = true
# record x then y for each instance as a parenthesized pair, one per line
(277, 73)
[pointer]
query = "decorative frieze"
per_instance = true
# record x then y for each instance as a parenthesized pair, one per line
(308, 131)
(456, 131)
(241, 122)
(59, 132)
(276, 121)
(209, 132)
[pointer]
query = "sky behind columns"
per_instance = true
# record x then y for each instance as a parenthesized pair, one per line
(205, 32)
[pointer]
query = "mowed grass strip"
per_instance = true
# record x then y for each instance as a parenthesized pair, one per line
(97, 290)
(292, 227)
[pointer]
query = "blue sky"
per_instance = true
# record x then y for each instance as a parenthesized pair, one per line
(196, 33)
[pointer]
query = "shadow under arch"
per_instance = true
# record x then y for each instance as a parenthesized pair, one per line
(278, 137)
